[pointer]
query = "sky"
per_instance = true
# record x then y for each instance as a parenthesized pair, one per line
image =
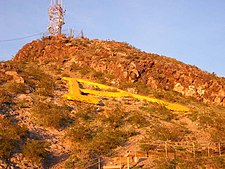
(192, 31)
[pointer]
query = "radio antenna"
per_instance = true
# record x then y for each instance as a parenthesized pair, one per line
(56, 17)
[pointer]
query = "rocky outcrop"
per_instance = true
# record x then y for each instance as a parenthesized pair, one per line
(15, 77)
(127, 63)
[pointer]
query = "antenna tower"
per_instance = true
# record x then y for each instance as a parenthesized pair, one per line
(56, 17)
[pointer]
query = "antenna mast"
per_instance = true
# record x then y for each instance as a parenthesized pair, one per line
(56, 17)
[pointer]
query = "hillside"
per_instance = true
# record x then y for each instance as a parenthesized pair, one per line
(126, 62)
(120, 110)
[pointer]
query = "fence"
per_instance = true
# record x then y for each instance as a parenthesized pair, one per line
(160, 150)
(68, 32)
(193, 149)
(165, 150)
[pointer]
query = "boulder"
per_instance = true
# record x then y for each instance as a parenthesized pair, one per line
(16, 77)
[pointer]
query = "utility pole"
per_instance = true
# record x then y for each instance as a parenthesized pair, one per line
(56, 17)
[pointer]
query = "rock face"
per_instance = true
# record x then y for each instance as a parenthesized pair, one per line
(126, 62)
(16, 77)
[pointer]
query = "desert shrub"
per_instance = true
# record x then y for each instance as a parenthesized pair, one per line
(118, 49)
(85, 115)
(94, 134)
(213, 121)
(139, 120)
(80, 158)
(5, 78)
(168, 95)
(213, 162)
(193, 116)
(160, 162)
(207, 120)
(84, 71)
(39, 80)
(150, 109)
(35, 150)
(159, 111)
(91, 72)
(97, 74)
(81, 137)
(165, 163)
(142, 88)
(147, 147)
(91, 146)
(17, 88)
(166, 114)
(107, 140)
(82, 130)
(4, 96)
(7, 148)
(115, 119)
(11, 131)
(75, 67)
(171, 133)
(11, 136)
(46, 88)
(46, 85)
(13, 139)
(219, 162)
(217, 135)
(51, 115)
(65, 75)
(79, 133)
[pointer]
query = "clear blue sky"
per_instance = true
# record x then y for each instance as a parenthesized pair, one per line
(192, 31)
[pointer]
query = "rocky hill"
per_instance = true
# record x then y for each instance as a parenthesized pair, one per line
(126, 62)
(41, 129)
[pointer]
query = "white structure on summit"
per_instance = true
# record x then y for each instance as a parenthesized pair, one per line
(56, 17)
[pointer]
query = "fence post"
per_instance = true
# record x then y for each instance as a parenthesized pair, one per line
(166, 150)
(135, 153)
(99, 163)
(128, 162)
(219, 149)
(175, 152)
(193, 149)
(208, 149)
(120, 162)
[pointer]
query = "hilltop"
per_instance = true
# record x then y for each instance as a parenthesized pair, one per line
(126, 62)
(43, 129)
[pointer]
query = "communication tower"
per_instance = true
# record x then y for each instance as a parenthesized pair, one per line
(56, 17)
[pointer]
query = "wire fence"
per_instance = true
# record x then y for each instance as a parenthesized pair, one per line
(164, 150)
